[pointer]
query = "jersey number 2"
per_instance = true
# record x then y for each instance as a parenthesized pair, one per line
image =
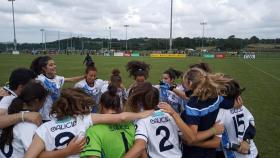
(162, 146)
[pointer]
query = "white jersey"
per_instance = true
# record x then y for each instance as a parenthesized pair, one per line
(161, 134)
(53, 87)
(5, 104)
(121, 93)
(56, 134)
(94, 91)
(236, 121)
(23, 134)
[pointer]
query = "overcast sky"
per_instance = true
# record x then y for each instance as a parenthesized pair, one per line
(147, 18)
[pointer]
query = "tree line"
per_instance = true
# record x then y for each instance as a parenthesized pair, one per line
(231, 43)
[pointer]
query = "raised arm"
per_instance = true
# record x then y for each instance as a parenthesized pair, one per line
(119, 118)
(74, 79)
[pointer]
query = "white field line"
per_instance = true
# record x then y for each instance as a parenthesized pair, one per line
(258, 69)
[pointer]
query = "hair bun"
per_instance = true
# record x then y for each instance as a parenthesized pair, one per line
(112, 90)
(116, 72)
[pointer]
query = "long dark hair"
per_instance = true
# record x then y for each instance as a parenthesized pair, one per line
(173, 74)
(38, 64)
(110, 99)
(32, 91)
(233, 89)
(138, 68)
(144, 95)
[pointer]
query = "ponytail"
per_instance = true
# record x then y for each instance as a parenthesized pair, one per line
(115, 77)
(110, 99)
(173, 74)
(204, 66)
(206, 85)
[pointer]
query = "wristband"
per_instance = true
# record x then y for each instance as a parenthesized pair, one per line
(22, 116)
(213, 130)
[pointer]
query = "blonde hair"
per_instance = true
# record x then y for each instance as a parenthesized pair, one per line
(206, 85)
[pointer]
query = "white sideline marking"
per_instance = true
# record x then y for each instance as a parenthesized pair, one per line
(256, 68)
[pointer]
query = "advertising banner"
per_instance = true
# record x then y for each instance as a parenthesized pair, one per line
(156, 55)
(118, 54)
(127, 54)
(220, 56)
(208, 55)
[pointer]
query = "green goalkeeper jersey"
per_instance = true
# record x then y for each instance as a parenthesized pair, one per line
(109, 141)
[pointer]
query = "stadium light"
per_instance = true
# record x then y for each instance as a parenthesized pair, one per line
(58, 36)
(45, 35)
(203, 24)
(15, 41)
(126, 26)
(42, 30)
(109, 38)
(170, 39)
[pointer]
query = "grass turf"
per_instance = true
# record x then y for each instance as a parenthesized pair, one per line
(261, 77)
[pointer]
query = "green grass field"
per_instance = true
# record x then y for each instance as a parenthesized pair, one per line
(261, 77)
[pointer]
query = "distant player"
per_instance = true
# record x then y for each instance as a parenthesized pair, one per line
(88, 61)
(72, 116)
(100, 137)
(159, 132)
(16, 139)
(45, 69)
(91, 85)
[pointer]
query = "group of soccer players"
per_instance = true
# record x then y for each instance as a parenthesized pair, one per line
(201, 117)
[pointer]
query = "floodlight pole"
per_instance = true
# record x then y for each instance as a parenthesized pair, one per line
(110, 38)
(58, 36)
(15, 41)
(203, 24)
(42, 30)
(45, 35)
(126, 26)
(170, 39)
